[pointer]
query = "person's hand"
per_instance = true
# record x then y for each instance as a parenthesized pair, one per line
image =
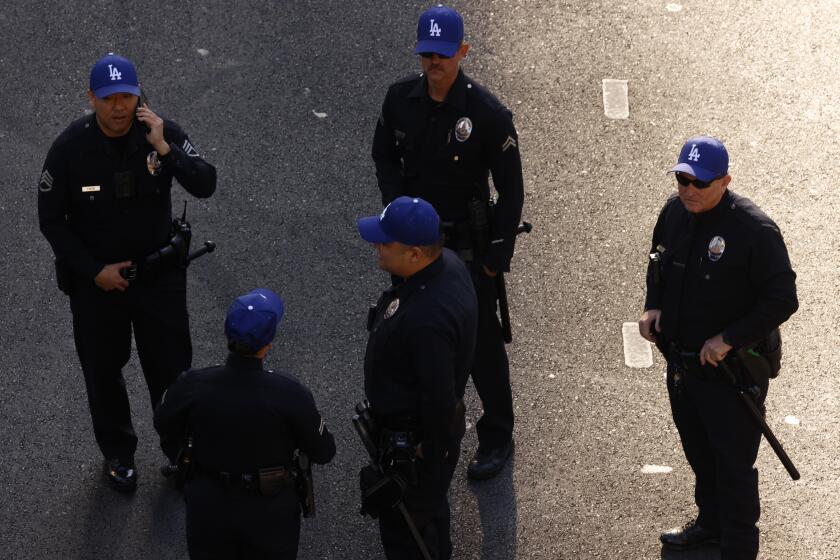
(649, 321)
(488, 272)
(109, 277)
(714, 350)
(155, 134)
(419, 450)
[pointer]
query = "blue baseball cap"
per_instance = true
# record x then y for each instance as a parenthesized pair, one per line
(410, 221)
(440, 30)
(252, 319)
(704, 157)
(113, 74)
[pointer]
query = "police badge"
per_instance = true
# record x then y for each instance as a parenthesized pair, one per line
(153, 163)
(392, 308)
(716, 248)
(463, 129)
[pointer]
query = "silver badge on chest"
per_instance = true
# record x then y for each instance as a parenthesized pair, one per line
(716, 248)
(392, 308)
(463, 129)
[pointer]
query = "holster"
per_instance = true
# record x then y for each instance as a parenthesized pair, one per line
(762, 360)
(273, 480)
(185, 462)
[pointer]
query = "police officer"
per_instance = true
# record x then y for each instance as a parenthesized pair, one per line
(104, 206)
(719, 281)
(245, 423)
(439, 136)
(418, 357)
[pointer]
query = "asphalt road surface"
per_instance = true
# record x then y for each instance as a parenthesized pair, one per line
(282, 97)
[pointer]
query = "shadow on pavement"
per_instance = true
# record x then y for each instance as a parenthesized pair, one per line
(107, 520)
(497, 510)
(168, 515)
(703, 553)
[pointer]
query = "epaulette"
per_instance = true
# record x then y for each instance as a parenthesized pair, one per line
(746, 212)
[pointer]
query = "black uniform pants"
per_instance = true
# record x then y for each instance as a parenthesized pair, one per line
(490, 371)
(231, 523)
(720, 440)
(428, 506)
(155, 308)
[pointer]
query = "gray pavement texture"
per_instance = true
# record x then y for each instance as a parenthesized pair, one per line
(762, 76)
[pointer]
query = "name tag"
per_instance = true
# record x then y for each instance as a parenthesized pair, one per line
(91, 188)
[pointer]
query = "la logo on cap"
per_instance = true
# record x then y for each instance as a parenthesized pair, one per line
(694, 154)
(114, 73)
(434, 29)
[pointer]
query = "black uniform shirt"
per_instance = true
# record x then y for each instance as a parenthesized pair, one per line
(243, 418)
(420, 349)
(420, 150)
(101, 202)
(723, 271)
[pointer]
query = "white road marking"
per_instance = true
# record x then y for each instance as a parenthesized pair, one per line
(673, 7)
(792, 420)
(637, 351)
(656, 469)
(203, 52)
(319, 115)
(616, 104)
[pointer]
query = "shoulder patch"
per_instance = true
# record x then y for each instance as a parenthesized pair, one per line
(321, 427)
(45, 184)
(510, 142)
(189, 149)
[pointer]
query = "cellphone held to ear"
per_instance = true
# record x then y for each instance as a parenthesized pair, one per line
(143, 102)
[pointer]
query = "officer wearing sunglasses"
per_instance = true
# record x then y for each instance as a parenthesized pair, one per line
(440, 136)
(719, 280)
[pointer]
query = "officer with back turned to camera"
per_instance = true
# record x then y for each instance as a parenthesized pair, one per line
(440, 136)
(245, 426)
(104, 205)
(719, 285)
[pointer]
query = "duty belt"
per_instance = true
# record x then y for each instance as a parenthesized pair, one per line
(245, 480)
(458, 237)
(688, 363)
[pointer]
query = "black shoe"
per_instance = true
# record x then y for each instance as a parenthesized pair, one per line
(689, 535)
(487, 464)
(168, 470)
(123, 477)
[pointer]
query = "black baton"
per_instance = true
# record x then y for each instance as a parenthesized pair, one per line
(749, 402)
(208, 247)
(501, 292)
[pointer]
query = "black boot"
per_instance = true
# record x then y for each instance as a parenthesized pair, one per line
(121, 475)
(689, 535)
(487, 464)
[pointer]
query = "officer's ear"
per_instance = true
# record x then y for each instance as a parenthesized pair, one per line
(726, 180)
(463, 50)
(415, 254)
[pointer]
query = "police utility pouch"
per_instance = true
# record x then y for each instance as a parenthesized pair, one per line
(380, 492)
(764, 359)
(273, 480)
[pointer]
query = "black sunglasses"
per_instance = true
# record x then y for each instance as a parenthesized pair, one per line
(431, 54)
(685, 181)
